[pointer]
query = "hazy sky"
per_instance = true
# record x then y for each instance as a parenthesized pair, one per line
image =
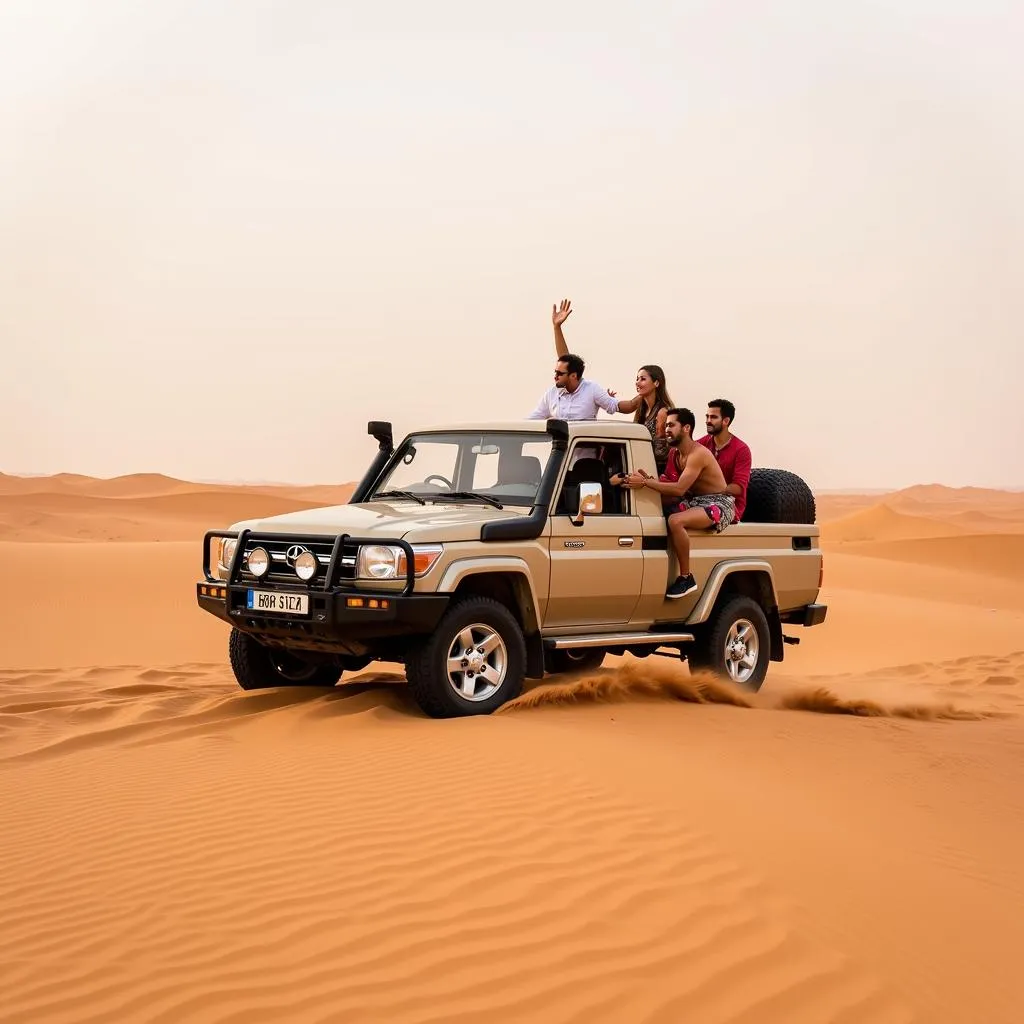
(231, 233)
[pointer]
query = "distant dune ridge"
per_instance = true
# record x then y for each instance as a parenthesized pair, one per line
(637, 843)
(974, 504)
(882, 522)
(143, 485)
(141, 506)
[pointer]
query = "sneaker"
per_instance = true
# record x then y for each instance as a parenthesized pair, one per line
(683, 585)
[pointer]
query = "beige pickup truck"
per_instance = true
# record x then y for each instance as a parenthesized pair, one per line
(484, 554)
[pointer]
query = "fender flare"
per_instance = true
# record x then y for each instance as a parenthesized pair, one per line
(462, 568)
(702, 609)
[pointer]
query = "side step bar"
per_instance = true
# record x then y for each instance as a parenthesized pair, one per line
(561, 643)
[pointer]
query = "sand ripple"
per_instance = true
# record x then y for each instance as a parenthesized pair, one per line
(386, 874)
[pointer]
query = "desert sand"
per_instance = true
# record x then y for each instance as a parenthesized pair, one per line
(638, 845)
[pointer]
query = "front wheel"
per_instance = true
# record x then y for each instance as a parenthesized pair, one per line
(736, 644)
(257, 667)
(474, 661)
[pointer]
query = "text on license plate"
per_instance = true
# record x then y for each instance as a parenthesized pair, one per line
(273, 601)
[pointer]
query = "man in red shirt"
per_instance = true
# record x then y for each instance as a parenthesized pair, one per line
(732, 454)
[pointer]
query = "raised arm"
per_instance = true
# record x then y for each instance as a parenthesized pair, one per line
(559, 314)
(606, 400)
(628, 404)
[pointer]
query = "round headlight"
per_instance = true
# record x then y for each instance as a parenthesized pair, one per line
(258, 561)
(378, 562)
(227, 552)
(306, 565)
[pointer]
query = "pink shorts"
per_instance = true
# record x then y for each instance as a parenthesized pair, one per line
(720, 509)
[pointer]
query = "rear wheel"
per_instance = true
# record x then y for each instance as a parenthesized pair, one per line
(474, 661)
(580, 659)
(257, 667)
(736, 644)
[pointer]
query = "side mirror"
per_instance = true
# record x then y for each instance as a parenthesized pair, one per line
(591, 502)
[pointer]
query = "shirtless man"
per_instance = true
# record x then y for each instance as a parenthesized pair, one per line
(693, 493)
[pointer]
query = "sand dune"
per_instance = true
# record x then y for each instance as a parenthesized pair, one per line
(996, 555)
(96, 604)
(880, 522)
(205, 504)
(151, 485)
(635, 844)
(148, 485)
(157, 517)
(942, 499)
(57, 483)
(132, 485)
(1009, 520)
(179, 513)
(933, 501)
(619, 889)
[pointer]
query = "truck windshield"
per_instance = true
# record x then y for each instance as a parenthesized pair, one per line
(506, 466)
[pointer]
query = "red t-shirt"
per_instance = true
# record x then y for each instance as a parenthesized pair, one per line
(734, 460)
(670, 476)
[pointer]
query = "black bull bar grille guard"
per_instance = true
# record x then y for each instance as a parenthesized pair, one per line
(246, 537)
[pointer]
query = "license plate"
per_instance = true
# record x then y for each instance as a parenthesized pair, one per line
(278, 603)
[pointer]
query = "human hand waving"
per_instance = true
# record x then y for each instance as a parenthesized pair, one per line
(560, 313)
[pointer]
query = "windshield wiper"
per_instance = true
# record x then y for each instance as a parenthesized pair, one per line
(399, 494)
(467, 494)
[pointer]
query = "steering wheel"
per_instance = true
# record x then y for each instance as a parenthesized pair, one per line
(444, 480)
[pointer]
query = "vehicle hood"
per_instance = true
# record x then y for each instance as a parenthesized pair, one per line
(404, 520)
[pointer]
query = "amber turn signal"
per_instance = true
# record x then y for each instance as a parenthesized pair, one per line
(367, 602)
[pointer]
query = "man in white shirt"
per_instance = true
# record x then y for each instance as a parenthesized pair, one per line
(571, 397)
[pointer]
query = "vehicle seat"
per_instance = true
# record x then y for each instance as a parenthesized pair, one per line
(591, 471)
(520, 469)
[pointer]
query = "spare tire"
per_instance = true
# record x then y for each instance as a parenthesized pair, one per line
(778, 496)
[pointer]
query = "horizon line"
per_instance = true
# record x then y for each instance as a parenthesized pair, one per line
(846, 489)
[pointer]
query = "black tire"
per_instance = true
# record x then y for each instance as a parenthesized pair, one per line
(710, 652)
(580, 659)
(778, 496)
(426, 668)
(258, 668)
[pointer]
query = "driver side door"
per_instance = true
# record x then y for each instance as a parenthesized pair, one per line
(596, 567)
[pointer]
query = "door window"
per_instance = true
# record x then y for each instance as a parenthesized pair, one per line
(595, 467)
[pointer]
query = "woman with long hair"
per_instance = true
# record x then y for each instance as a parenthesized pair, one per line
(651, 404)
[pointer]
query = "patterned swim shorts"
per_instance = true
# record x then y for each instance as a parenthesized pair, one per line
(720, 509)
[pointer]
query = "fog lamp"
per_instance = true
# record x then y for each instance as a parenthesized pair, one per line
(306, 565)
(258, 562)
